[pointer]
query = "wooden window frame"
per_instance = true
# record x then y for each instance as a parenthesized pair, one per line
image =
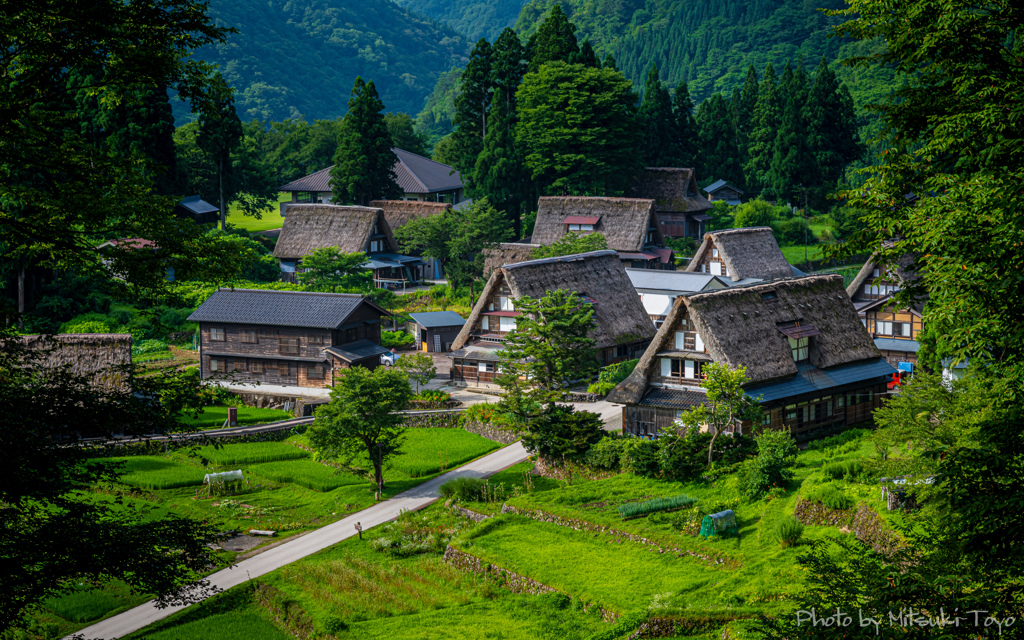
(800, 348)
(288, 346)
(268, 333)
(315, 372)
(256, 366)
(247, 336)
(218, 334)
(239, 364)
(214, 368)
(316, 339)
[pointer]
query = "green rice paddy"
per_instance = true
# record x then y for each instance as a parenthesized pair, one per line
(251, 453)
(305, 473)
(153, 473)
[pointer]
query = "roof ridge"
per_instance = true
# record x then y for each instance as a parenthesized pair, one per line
(412, 173)
(317, 293)
(574, 257)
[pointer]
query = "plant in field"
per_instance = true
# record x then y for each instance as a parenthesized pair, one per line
(462, 489)
(638, 509)
(607, 453)
(832, 497)
(789, 531)
(776, 453)
(640, 457)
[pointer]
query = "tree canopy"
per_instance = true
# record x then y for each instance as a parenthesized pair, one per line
(364, 164)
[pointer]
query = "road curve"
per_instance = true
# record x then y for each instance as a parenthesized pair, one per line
(416, 498)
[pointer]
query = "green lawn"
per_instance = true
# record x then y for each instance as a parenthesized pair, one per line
(214, 417)
(233, 614)
(268, 220)
(795, 253)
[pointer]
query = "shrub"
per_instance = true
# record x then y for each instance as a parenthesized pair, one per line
(839, 439)
(563, 434)
(640, 457)
(148, 346)
(462, 489)
(789, 531)
(637, 509)
(396, 339)
(334, 624)
(606, 454)
(850, 470)
(776, 453)
(433, 395)
(612, 375)
(832, 497)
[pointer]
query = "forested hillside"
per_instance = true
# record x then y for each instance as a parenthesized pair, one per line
(473, 18)
(301, 57)
(706, 43)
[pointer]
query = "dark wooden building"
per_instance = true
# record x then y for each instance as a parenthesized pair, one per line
(894, 328)
(722, 190)
(623, 327)
(682, 210)
(289, 338)
(630, 227)
(806, 354)
(435, 331)
(741, 255)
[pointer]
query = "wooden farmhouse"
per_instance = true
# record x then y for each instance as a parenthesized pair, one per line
(419, 178)
(630, 226)
(623, 328)
(289, 338)
(104, 358)
(741, 255)
(659, 289)
(722, 190)
(350, 229)
(399, 213)
(682, 210)
(806, 354)
(435, 331)
(893, 327)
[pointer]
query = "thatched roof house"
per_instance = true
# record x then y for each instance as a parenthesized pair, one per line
(398, 213)
(506, 253)
(682, 209)
(751, 252)
(894, 328)
(800, 340)
(623, 328)
(99, 356)
(630, 226)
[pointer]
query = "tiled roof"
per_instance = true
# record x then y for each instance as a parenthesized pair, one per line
(279, 308)
(415, 174)
(358, 350)
(718, 184)
(673, 398)
(675, 281)
(197, 205)
(809, 379)
(896, 344)
(432, 319)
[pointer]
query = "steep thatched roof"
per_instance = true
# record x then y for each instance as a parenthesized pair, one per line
(623, 221)
(599, 275)
(87, 354)
(673, 189)
(506, 253)
(904, 271)
(313, 226)
(400, 212)
(751, 252)
(740, 326)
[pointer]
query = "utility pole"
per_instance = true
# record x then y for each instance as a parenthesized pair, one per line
(807, 223)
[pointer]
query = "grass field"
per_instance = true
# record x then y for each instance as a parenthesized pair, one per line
(269, 219)
(432, 450)
(795, 253)
(214, 417)
(305, 473)
(251, 453)
(229, 615)
(151, 472)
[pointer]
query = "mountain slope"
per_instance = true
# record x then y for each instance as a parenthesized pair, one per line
(300, 57)
(474, 18)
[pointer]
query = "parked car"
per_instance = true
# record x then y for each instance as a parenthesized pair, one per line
(389, 359)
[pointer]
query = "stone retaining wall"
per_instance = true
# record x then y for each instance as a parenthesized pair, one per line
(511, 580)
(504, 436)
(583, 525)
(863, 522)
(469, 513)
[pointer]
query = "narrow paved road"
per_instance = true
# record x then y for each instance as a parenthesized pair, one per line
(416, 498)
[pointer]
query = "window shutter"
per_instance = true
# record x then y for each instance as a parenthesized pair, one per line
(666, 367)
(689, 369)
(699, 344)
(680, 337)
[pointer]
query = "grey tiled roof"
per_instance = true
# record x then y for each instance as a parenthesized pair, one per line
(415, 174)
(718, 184)
(357, 350)
(896, 344)
(676, 281)
(195, 204)
(673, 398)
(278, 308)
(809, 379)
(433, 319)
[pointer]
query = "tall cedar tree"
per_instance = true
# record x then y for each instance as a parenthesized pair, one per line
(587, 57)
(362, 417)
(471, 105)
(364, 164)
(793, 170)
(508, 66)
(656, 122)
(501, 174)
(719, 155)
(831, 130)
(220, 134)
(577, 130)
(549, 348)
(743, 114)
(687, 137)
(555, 40)
(764, 128)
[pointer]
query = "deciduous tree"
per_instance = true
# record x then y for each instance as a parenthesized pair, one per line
(327, 269)
(419, 367)
(571, 243)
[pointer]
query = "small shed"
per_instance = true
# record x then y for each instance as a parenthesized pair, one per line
(722, 190)
(198, 209)
(722, 523)
(435, 331)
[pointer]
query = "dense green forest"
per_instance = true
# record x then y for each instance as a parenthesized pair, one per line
(474, 18)
(292, 59)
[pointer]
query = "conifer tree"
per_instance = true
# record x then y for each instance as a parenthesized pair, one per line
(743, 113)
(719, 155)
(656, 122)
(793, 170)
(471, 105)
(765, 125)
(220, 134)
(587, 57)
(508, 66)
(609, 63)
(831, 130)
(501, 174)
(555, 40)
(364, 164)
(687, 137)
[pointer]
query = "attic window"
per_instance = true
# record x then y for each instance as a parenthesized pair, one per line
(580, 223)
(769, 295)
(797, 329)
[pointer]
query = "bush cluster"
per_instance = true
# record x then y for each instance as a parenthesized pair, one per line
(396, 339)
(681, 459)
(850, 470)
(462, 489)
(612, 375)
(789, 531)
(839, 439)
(776, 454)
